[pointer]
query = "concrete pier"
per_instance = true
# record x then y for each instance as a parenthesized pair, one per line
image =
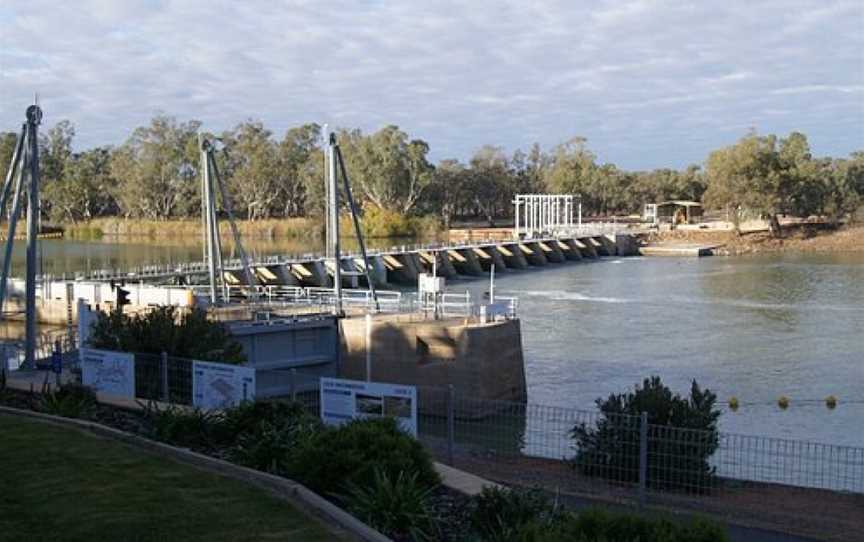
(533, 253)
(598, 245)
(513, 256)
(568, 248)
(586, 248)
(465, 262)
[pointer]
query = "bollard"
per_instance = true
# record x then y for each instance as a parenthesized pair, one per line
(292, 387)
(643, 459)
(163, 371)
(451, 430)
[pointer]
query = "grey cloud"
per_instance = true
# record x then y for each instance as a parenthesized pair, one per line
(650, 83)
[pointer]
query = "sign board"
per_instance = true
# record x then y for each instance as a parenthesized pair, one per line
(429, 284)
(345, 400)
(111, 373)
(220, 385)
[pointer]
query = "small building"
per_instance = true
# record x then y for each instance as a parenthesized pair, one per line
(674, 212)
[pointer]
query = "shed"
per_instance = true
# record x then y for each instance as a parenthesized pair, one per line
(679, 212)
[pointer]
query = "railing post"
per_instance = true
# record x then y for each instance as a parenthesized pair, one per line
(163, 371)
(643, 458)
(451, 426)
(291, 385)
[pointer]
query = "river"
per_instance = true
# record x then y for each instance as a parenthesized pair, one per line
(755, 328)
(752, 327)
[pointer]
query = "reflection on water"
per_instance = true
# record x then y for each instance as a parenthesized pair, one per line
(59, 256)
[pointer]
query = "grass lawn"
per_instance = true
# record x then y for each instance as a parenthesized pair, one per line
(62, 484)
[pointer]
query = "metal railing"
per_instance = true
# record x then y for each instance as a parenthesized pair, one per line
(462, 305)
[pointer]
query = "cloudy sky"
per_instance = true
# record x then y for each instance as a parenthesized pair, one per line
(649, 83)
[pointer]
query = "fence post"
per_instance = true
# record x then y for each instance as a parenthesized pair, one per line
(291, 386)
(451, 430)
(163, 371)
(643, 458)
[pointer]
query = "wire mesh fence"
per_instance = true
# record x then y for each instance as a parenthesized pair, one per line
(596, 450)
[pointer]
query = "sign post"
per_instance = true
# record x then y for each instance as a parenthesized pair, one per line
(345, 400)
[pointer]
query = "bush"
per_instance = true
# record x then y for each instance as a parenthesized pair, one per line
(349, 454)
(190, 335)
(682, 435)
(398, 507)
(182, 426)
(262, 435)
(69, 401)
(595, 524)
(502, 514)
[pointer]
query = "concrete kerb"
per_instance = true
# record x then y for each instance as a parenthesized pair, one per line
(461, 481)
(285, 489)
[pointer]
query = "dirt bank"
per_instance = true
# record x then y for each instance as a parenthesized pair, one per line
(799, 238)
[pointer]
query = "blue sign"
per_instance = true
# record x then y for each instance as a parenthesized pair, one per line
(57, 362)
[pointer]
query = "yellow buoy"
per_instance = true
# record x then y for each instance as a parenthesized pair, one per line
(733, 404)
(783, 402)
(831, 402)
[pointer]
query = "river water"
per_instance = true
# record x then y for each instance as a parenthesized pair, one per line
(756, 328)
(752, 327)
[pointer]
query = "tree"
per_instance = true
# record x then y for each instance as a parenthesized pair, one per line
(188, 335)
(253, 170)
(572, 172)
(447, 190)
(388, 170)
(157, 170)
(491, 184)
(299, 146)
(843, 185)
(86, 188)
(55, 151)
(8, 140)
(747, 175)
(682, 435)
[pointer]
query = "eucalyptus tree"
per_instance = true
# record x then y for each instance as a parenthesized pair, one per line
(747, 175)
(86, 188)
(254, 171)
(387, 169)
(299, 146)
(157, 170)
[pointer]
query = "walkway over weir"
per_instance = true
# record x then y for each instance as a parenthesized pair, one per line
(398, 265)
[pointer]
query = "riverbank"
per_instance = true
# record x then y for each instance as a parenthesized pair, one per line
(376, 224)
(803, 238)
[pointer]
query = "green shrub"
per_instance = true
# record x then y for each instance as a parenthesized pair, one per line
(596, 524)
(398, 507)
(351, 453)
(182, 426)
(682, 435)
(69, 401)
(499, 514)
(262, 435)
(188, 335)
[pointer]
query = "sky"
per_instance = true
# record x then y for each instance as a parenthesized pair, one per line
(648, 83)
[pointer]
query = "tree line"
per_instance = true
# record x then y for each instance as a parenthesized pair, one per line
(154, 175)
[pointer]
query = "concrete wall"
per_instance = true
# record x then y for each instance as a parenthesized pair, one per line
(483, 361)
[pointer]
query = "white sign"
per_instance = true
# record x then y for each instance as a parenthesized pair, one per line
(345, 400)
(219, 385)
(111, 373)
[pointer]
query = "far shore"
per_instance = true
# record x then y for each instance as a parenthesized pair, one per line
(795, 238)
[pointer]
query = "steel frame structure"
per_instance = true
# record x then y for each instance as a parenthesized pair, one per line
(538, 215)
(25, 163)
